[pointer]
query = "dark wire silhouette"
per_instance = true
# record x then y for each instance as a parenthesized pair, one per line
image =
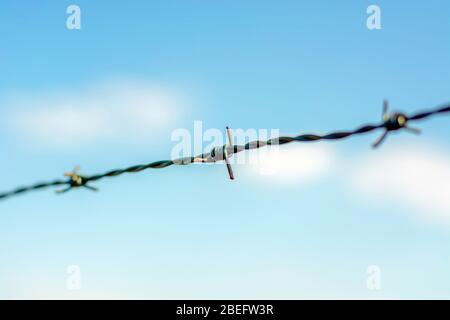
(391, 122)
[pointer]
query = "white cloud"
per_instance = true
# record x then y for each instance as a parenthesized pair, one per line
(115, 111)
(417, 178)
(293, 164)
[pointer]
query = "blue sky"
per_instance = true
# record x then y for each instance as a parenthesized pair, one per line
(111, 94)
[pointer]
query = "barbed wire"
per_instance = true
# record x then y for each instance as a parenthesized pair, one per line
(391, 122)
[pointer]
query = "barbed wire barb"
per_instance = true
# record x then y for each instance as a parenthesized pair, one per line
(390, 122)
(225, 153)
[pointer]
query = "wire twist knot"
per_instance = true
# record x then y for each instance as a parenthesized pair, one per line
(76, 180)
(393, 122)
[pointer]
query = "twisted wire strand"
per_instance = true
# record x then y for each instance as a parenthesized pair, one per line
(229, 150)
(31, 188)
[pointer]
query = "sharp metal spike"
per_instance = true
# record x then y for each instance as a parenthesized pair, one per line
(413, 130)
(227, 161)
(385, 115)
(380, 139)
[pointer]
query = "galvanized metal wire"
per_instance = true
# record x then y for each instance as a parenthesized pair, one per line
(391, 122)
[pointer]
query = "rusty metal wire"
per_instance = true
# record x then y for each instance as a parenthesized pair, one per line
(391, 122)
